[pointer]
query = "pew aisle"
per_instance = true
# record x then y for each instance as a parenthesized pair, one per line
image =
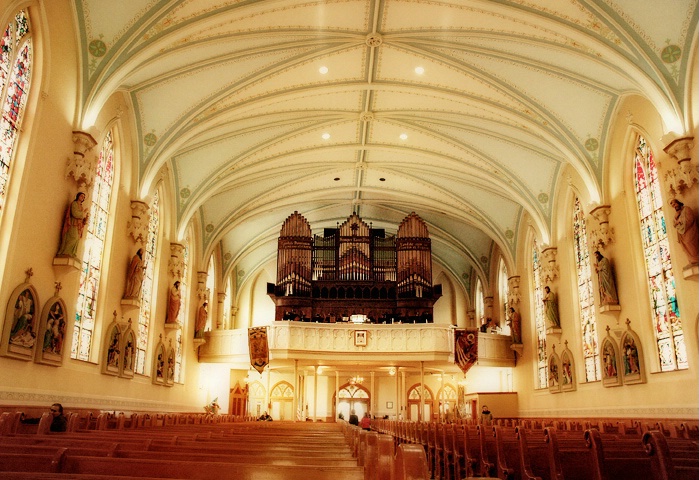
(221, 451)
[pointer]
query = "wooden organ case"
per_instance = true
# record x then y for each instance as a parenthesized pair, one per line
(354, 273)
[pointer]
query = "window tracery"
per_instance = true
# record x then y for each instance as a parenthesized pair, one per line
(586, 302)
(93, 255)
(540, 321)
(667, 325)
(149, 258)
(15, 75)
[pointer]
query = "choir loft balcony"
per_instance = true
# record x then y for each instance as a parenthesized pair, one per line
(314, 343)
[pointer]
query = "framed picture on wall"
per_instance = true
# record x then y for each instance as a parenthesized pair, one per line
(389, 405)
(360, 338)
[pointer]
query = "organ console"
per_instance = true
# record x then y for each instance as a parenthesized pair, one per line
(354, 273)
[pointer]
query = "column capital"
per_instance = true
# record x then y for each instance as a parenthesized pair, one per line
(81, 166)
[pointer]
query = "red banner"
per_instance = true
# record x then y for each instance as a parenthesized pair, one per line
(465, 347)
(259, 351)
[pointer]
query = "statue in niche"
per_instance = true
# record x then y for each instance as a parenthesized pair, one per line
(551, 308)
(74, 222)
(200, 324)
(605, 278)
(515, 326)
(685, 222)
(173, 303)
(134, 276)
(22, 332)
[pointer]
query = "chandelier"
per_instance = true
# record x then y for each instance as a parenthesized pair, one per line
(355, 380)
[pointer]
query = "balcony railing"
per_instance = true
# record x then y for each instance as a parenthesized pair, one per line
(360, 342)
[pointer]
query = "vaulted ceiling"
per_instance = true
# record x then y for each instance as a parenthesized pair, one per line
(465, 112)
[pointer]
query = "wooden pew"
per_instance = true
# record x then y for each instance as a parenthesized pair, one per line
(410, 463)
(507, 453)
(533, 453)
(570, 458)
(488, 452)
(472, 450)
(672, 459)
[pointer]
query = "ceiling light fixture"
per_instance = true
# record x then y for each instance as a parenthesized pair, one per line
(325, 136)
(403, 136)
(419, 70)
(323, 70)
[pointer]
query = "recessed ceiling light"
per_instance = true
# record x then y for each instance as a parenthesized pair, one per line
(419, 70)
(382, 179)
(337, 179)
(325, 136)
(403, 136)
(323, 70)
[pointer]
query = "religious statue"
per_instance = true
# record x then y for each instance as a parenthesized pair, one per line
(55, 330)
(551, 308)
(200, 324)
(685, 222)
(605, 278)
(22, 332)
(173, 303)
(515, 325)
(73, 223)
(134, 276)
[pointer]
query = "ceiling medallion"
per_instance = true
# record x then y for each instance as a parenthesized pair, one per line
(374, 39)
(591, 144)
(366, 116)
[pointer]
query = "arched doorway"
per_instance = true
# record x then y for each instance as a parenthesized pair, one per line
(352, 397)
(447, 402)
(414, 404)
(282, 399)
(256, 399)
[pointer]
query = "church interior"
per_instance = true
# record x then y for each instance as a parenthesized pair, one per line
(406, 208)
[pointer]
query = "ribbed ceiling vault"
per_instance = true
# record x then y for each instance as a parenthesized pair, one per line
(229, 95)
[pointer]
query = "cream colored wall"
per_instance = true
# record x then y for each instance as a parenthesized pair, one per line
(41, 191)
(659, 395)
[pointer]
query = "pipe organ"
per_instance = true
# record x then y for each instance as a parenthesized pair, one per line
(354, 273)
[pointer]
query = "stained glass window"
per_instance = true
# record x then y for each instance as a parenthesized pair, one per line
(656, 251)
(540, 323)
(504, 290)
(210, 283)
(480, 302)
(585, 295)
(15, 73)
(93, 254)
(144, 314)
(184, 283)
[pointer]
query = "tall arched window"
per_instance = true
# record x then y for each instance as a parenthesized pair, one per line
(503, 291)
(93, 254)
(182, 315)
(540, 323)
(480, 302)
(144, 314)
(227, 305)
(15, 74)
(585, 295)
(656, 251)
(210, 285)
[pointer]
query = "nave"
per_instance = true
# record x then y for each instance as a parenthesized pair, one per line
(205, 446)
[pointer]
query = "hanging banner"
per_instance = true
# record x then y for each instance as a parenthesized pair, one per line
(259, 351)
(465, 347)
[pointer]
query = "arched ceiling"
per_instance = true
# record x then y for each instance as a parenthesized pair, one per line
(230, 96)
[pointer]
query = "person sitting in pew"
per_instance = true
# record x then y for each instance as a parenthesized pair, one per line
(265, 417)
(486, 416)
(59, 422)
(365, 423)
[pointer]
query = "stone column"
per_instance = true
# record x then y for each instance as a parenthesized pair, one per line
(221, 321)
